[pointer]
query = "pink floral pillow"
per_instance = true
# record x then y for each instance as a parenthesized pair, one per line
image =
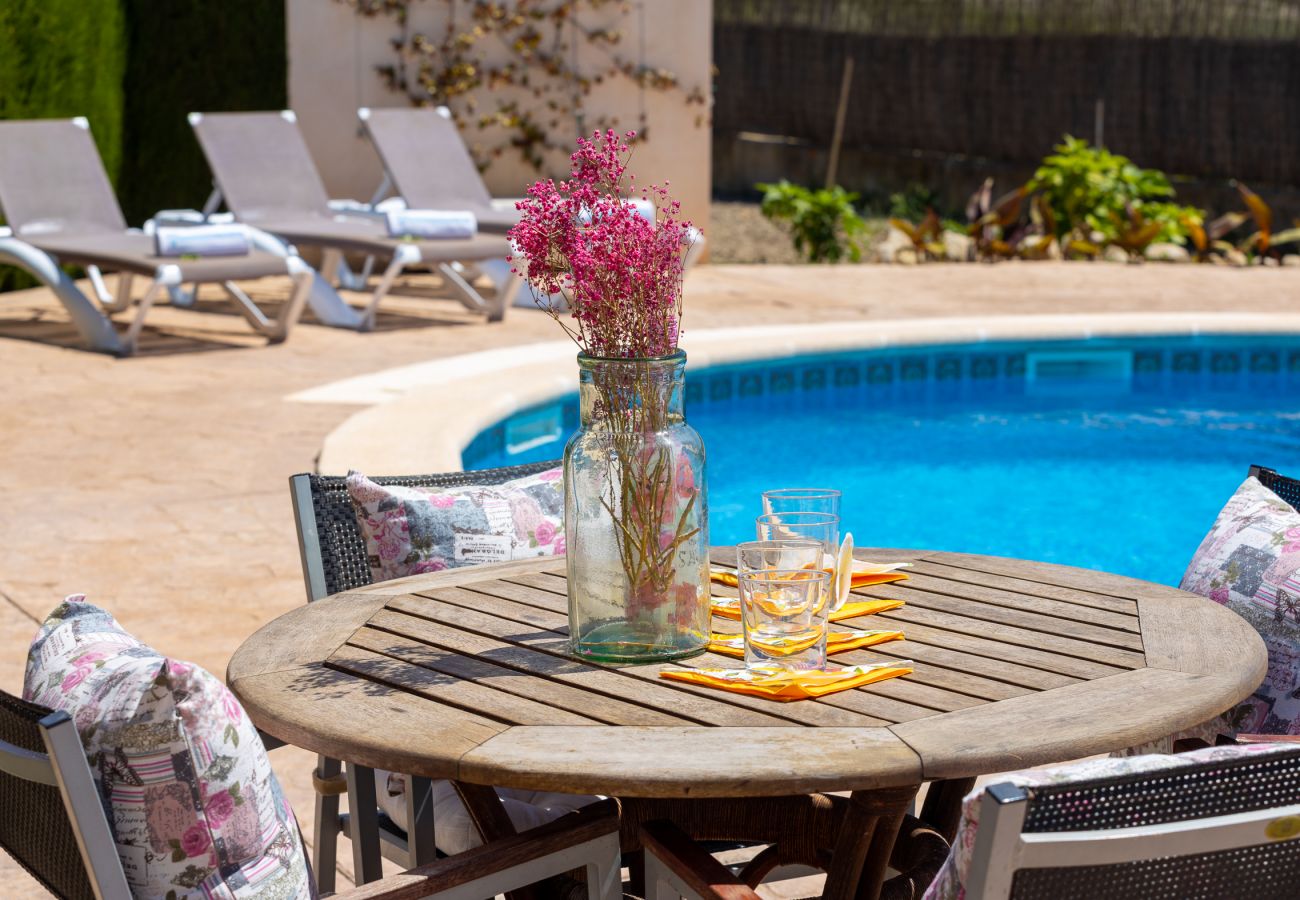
(1250, 563)
(413, 530)
(189, 793)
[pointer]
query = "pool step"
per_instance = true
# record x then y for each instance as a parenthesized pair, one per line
(1053, 371)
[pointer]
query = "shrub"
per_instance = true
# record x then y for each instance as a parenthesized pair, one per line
(58, 59)
(1089, 189)
(822, 223)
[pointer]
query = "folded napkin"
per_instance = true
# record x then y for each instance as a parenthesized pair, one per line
(836, 641)
(201, 240)
(729, 608)
(775, 683)
(431, 224)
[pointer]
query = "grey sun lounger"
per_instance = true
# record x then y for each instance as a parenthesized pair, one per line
(61, 210)
(265, 173)
(426, 162)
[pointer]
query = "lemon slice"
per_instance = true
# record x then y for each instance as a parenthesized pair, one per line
(843, 572)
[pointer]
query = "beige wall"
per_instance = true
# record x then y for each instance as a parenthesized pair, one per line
(333, 52)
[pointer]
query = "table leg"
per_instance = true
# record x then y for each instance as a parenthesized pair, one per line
(865, 842)
(942, 809)
(363, 815)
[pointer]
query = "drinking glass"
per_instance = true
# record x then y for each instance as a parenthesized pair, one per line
(784, 613)
(788, 500)
(757, 557)
(824, 528)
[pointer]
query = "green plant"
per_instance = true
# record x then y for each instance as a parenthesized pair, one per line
(58, 59)
(1091, 191)
(912, 203)
(822, 222)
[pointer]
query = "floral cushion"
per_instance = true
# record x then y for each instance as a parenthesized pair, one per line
(950, 884)
(186, 785)
(1250, 562)
(413, 530)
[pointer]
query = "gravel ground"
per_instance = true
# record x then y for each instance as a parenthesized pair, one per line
(740, 234)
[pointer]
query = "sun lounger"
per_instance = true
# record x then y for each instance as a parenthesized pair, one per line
(428, 165)
(61, 210)
(266, 175)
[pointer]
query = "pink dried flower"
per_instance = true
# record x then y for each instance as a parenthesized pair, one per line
(622, 272)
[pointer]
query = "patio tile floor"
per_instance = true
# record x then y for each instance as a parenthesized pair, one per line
(157, 485)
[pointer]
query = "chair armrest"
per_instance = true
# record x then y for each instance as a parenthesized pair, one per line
(1268, 739)
(591, 823)
(698, 872)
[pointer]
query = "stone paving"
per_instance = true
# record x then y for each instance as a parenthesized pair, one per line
(157, 484)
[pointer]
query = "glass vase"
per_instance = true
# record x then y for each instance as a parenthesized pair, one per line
(636, 515)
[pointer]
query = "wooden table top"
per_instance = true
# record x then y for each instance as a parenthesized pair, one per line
(463, 675)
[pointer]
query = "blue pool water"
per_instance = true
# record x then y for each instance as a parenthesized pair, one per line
(1107, 454)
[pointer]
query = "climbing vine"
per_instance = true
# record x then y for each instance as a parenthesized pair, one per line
(535, 92)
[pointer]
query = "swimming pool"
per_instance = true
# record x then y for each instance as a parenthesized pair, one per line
(1112, 454)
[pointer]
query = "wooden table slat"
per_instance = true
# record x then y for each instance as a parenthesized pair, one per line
(1066, 723)
(962, 673)
(1088, 581)
(997, 615)
(362, 656)
(1123, 606)
(1054, 670)
(1069, 651)
(344, 717)
(1050, 607)
(880, 710)
(552, 679)
(712, 707)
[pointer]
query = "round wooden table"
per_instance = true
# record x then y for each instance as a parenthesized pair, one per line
(463, 675)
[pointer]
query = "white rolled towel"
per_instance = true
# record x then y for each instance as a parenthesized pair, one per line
(431, 224)
(201, 240)
(643, 207)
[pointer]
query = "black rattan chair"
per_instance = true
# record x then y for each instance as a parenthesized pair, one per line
(1286, 488)
(334, 559)
(1221, 828)
(1215, 829)
(51, 820)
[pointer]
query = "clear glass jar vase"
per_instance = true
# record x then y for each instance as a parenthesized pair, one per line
(635, 515)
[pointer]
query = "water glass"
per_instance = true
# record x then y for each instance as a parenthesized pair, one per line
(788, 500)
(824, 528)
(757, 557)
(784, 614)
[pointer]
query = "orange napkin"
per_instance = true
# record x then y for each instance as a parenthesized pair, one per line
(729, 608)
(775, 683)
(836, 641)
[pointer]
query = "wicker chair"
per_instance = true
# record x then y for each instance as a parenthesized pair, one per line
(1219, 828)
(1286, 488)
(334, 559)
(53, 824)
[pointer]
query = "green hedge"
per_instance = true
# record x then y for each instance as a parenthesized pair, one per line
(192, 56)
(134, 68)
(63, 58)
